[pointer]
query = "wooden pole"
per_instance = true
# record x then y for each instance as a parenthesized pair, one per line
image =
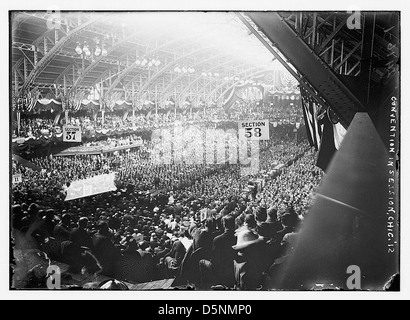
(101, 103)
(175, 101)
(18, 123)
(65, 85)
(156, 99)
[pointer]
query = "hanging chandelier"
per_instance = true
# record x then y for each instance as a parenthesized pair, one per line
(94, 50)
(210, 74)
(144, 61)
(184, 69)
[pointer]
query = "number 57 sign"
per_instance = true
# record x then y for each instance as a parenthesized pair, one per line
(253, 130)
(71, 134)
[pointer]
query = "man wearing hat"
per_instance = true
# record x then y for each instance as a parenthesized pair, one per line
(33, 212)
(62, 231)
(248, 265)
(248, 224)
(79, 236)
(174, 258)
(220, 269)
(273, 224)
(47, 224)
(270, 250)
(104, 250)
(260, 214)
(202, 238)
(289, 224)
(147, 261)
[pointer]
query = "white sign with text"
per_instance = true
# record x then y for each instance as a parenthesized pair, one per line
(91, 186)
(17, 178)
(72, 134)
(253, 130)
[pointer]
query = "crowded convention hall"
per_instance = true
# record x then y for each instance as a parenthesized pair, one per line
(173, 150)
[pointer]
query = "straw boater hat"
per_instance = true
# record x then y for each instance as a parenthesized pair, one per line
(245, 239)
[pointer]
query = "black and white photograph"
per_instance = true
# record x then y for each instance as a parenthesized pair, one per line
(204, 151)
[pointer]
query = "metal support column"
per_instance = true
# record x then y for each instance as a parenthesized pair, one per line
(367, 52)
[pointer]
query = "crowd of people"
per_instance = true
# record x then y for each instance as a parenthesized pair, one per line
(116, 121)
(297, 184)
(33, 127)
(148, 121)
(196, 222)
(108, 144)
(289, 111)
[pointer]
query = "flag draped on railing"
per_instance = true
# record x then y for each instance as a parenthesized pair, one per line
(310, 112)
(111, 100)
(32, 97)
(324, 130)
(78, 99)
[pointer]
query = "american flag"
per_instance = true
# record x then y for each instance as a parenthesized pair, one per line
(78, 99)
(113, 99)
(311, 114)
(31, 99)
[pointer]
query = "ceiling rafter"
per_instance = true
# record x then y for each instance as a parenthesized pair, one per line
(128, 43)
(17, 65)
(184, 40)
(46, 35)
(47, 58)
(170, 65)
(130, 68)
(110, 50)
(172, 83)
(66, 71)
(213, 68)
(96, 62)
(325, 20)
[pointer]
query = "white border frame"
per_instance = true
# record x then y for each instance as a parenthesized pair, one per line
(224, 5)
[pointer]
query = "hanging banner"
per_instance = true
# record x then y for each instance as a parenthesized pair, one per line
(72, 134)
(91, 186)
(253, 130)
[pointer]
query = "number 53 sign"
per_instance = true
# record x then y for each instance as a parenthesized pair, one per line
(71, 134)
(253, 130)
